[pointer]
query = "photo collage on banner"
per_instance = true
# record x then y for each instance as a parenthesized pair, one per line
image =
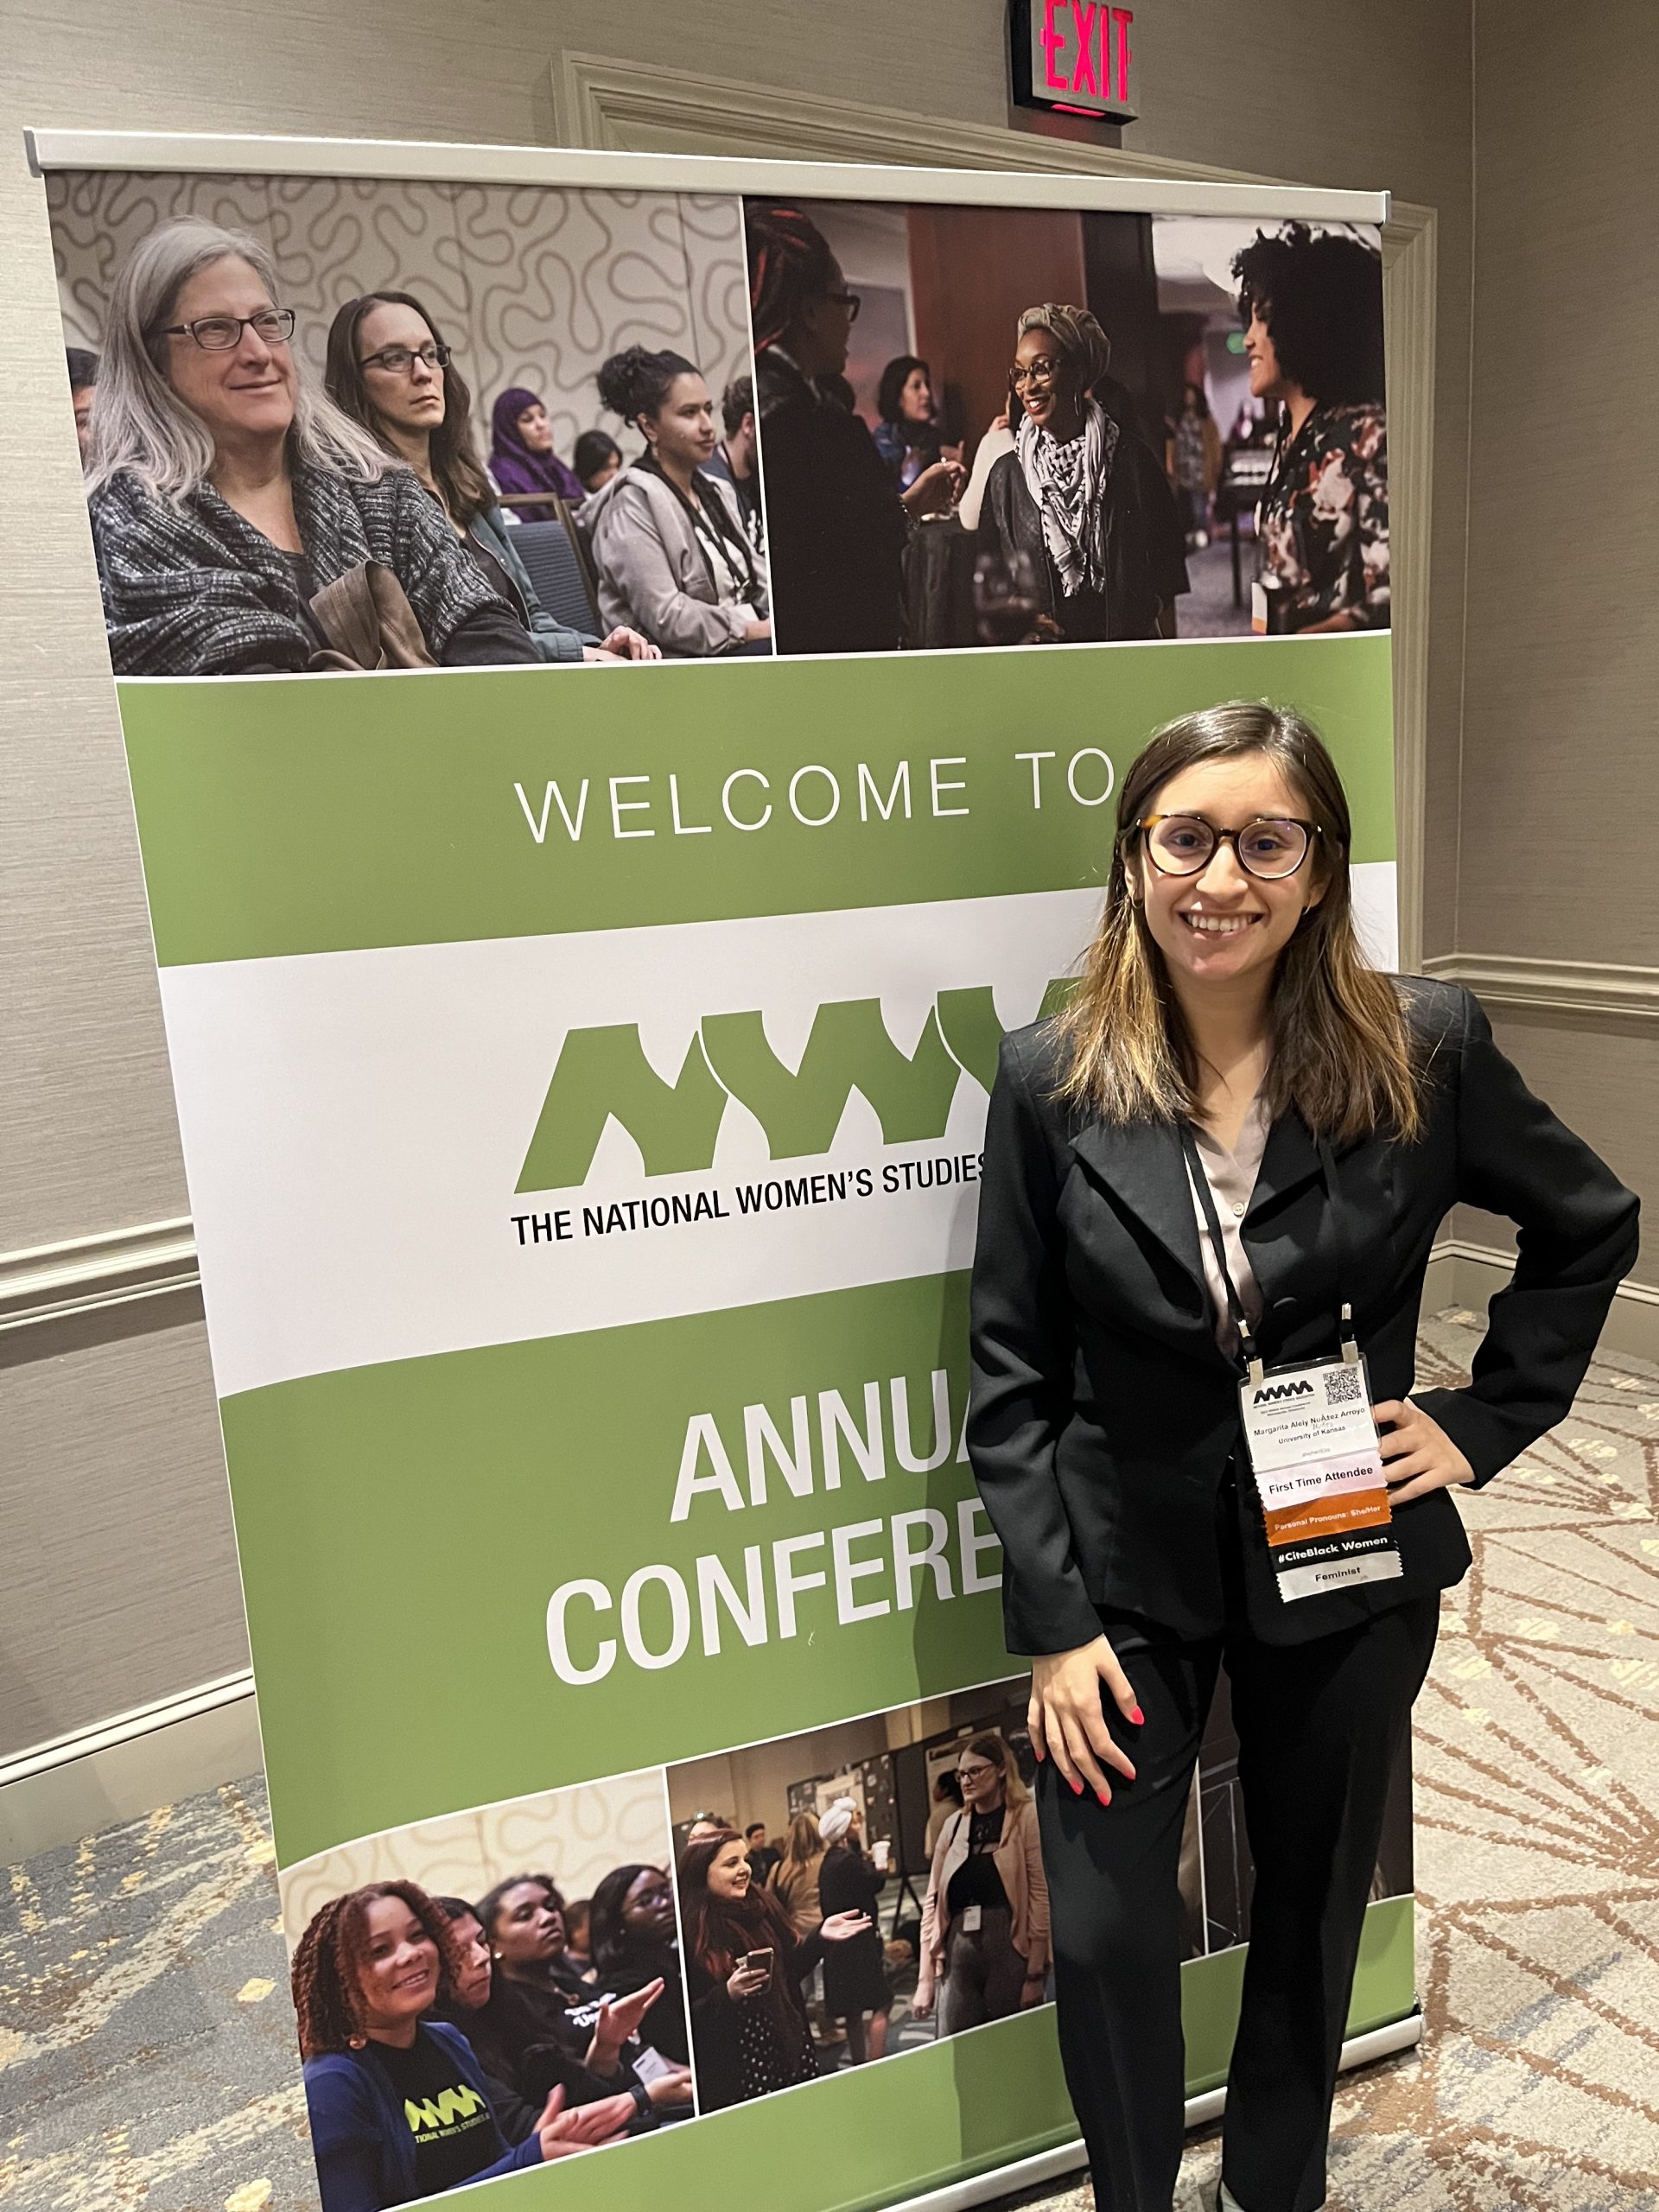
(582, 1092)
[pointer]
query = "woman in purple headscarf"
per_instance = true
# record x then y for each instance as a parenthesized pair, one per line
(522, 459)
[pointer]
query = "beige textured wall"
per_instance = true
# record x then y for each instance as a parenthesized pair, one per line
(576, 1836)
(1371, 97)
(1560, 794)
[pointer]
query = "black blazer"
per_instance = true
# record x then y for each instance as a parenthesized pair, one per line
(1104, 1415)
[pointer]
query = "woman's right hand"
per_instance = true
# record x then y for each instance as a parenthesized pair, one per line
(745, 1982)
(921, 2005)
(562, 2131)
(936, 490)
(755, 633)
(672, 2089)
(1064, 1714)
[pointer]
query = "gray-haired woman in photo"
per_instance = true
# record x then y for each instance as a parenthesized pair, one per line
(1083, 497)
(226, 493)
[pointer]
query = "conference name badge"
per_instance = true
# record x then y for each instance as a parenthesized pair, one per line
(1324, 1499)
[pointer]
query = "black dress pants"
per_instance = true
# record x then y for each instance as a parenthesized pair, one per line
(1319, 1725)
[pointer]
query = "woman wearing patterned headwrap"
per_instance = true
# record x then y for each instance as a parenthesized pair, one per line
(1083, 494)
(837, 525)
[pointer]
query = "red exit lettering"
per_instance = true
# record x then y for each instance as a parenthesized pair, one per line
(1088, 54)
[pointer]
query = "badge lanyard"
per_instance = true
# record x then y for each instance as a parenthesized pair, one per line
(1308, 1432)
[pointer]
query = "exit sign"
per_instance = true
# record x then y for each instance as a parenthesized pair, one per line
(1073, 57)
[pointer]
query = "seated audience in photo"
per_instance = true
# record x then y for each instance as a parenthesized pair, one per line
(736, 459)
(854, 1974)
(636, 1941)
(365, 1971)
(391, 372)
(763, 1855)
(1312, 308)
(668, 541)
(597, 459)
(744, 1966)
(463, 2003)
(83, 383)
(1083, 497)
(226, 493)
(522, 459)
(578, 1948)
(985, 1939)
(908, 435)
(1193, 462)
(837, 523)
(541, 2013)
(794, 1880)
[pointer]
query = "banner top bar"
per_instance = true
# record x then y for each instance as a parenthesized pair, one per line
(201, 153)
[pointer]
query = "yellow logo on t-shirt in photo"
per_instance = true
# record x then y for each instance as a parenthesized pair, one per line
(438, 2115)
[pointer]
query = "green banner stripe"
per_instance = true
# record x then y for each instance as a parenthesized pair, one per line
(355, 811)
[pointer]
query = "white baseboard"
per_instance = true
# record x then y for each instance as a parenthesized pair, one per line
(1068, 2157)
(1463, 1274)
(55, 1793)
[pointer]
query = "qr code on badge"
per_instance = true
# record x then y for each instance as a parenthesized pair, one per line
(1343, 1387)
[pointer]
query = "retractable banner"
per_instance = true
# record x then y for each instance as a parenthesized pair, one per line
(583, 1074)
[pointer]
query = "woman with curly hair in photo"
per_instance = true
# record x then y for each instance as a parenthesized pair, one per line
(398, 2104)
(1312, 307)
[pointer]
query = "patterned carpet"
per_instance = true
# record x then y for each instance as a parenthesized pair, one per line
(146, 2045)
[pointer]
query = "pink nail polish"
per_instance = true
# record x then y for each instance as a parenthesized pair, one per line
(1104, 1796)
(1138, 1717)
(1076, 1789)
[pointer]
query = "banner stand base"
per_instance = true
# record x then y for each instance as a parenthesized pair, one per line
(1068, 2158)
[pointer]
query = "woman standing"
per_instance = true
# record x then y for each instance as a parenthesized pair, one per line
(854, 1976)
(227, 495)
(522, 459)
(1312, 313)
(985, 1939)
(1192, 461)
(908, 435)
(836, 523)
(794, 1880)
(667, 534)
(1082, 495)
(388, 370)
(364, 1971)
(1230, 1154)
(744, 1968)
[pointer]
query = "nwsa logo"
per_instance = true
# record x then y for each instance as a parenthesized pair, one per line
(1272, 1390)
(602, 1075)
(433, 2115)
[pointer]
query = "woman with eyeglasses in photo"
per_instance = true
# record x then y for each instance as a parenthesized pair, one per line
(390, 370)
(1312, 307)
(985, 1944)
(837, 524)
(635, 1939)
(463, 2002)
(667, 533)
(1082, 503)
(226, 494)
(398, 2104)
(744, 1968)
(1212, 1184)
(539, 1999)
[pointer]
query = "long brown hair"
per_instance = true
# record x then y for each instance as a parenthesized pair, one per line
(329, 1958)
(1342, 1051)
(458, 469)
(718, 1931)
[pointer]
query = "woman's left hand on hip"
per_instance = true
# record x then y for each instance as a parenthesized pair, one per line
(1418, 1455)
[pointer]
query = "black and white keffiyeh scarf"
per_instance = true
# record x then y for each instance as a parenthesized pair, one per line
(1067, 483)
